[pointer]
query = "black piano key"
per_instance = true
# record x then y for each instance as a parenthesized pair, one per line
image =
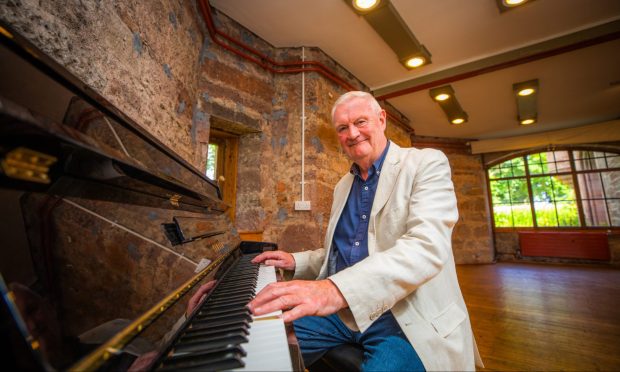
(228, 299)
(216, 332)
(197, 324)
(206, 344)
(213, 336)
(219, 325)
(234, 290)
(250, 282)
(213, 353)
(223, 317)
(205, 313)
(237, 304)
(222, 365)
(205, 349)
(206, 362)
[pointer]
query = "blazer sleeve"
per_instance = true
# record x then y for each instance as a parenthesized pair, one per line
(378, 282)
(308, 264)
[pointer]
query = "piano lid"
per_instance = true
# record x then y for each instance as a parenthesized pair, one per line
(67, 159)
(85, 196)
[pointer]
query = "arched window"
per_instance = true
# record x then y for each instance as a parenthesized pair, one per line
(561, 188)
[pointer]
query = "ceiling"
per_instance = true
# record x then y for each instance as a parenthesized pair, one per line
(475, 47)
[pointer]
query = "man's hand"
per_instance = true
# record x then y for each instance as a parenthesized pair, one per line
(279, 259)
(299, 298)
(199, 296)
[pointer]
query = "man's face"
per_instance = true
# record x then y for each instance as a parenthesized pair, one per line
(360, 131)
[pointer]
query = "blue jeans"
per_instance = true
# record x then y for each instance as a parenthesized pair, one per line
(385, 346)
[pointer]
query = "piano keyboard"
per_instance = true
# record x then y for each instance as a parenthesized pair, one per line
(223, 335)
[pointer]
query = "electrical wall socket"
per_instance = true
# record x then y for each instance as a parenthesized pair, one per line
(302, 205)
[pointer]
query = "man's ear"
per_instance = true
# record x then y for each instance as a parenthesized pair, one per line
(383, 119)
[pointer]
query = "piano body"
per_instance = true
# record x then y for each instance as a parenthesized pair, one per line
(106, 234)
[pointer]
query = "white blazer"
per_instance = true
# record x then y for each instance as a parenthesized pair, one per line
(410, 266)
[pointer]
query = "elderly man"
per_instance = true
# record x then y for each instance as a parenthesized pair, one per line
(386, 278)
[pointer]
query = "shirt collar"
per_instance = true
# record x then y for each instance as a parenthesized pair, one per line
(376, 166)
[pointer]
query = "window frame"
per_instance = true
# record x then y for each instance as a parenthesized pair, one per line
(573, 173)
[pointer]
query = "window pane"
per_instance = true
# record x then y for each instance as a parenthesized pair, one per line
(518, 191)
(522, 215)
(505, 170)
(563, 166)
(518, 167)
(535, 158)
(595, 212)
(567, 213)
(535, 162)
(563, 188)
(502, 215)
(542, 188)
(545, 214)
(590, 185)
(500, 192)
(554, 195)
(581, 154)
(614, 211)
(613, 160)
(559, 156)
(550, 168)
(587, 160)
(611, 180)
(494, 172)
(211, 161)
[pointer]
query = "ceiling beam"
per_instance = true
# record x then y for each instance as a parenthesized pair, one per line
(581, 39)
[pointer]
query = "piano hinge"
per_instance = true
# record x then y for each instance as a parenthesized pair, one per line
(28, 165)
(174, 200)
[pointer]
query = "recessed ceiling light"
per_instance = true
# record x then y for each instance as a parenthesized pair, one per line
(415, 62)
(505, 5)
(513, 2)
(526, 92)
(365, 5)
(446, 99)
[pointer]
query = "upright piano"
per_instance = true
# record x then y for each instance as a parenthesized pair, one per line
(106, 234)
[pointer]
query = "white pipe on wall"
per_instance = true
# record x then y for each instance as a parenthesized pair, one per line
(303, 124)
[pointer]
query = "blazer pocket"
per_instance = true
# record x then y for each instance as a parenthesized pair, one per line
(448, 320)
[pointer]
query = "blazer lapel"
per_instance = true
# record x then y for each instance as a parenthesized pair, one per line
(387, 179)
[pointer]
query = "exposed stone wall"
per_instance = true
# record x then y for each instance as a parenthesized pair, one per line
(142, 56)
(472, 239)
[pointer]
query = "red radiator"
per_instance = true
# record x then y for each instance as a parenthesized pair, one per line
(566, 244)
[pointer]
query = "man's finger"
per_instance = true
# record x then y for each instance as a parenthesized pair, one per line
(280, 303)
(296, 313)
(264, 256)
(268, 294)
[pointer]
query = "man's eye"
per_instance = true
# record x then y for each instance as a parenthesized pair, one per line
(341, 129)
(360, 123)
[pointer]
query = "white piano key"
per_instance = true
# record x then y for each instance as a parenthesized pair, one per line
(267, 349)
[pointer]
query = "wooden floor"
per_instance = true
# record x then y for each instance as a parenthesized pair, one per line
(544, 317)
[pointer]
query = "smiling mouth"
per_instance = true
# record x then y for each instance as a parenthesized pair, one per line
(357, 143)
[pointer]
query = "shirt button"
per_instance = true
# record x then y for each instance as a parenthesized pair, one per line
(365, 187)
(357, 244)
(363, 217)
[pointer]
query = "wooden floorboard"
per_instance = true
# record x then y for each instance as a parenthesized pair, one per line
(544, 317)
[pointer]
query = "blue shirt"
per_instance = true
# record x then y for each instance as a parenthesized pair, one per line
(350, 241)
(351, 234)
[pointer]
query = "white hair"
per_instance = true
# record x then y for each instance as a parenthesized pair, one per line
(356, 94)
